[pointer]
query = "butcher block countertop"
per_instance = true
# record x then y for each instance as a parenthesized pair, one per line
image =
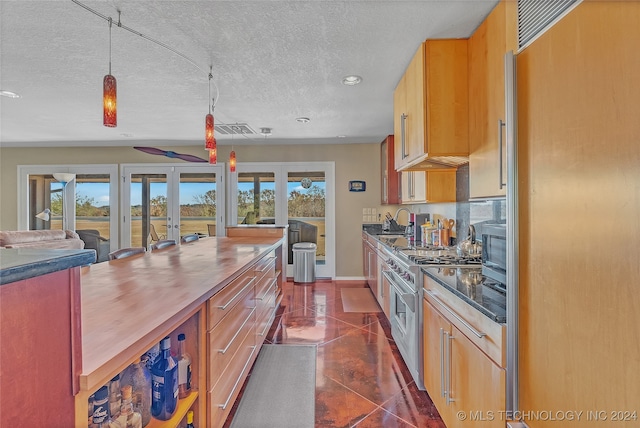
(128, 304)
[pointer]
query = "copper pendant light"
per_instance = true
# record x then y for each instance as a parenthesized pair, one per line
(209, 139)
(109, 94)
(213, 155)
(232, 161)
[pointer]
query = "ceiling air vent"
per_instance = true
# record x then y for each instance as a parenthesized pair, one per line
(535, 16)
(234, 128)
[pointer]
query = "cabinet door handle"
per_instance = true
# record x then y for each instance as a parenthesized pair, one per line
(223, 307)
(273, 281)
(266, 266)
(448, 360)
(235, 385)
(403, 119)
(224, 351)
(501, 125)
(269, 322)
(442, 392)
(477, 333)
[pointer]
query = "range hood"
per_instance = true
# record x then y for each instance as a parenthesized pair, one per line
(435, 162)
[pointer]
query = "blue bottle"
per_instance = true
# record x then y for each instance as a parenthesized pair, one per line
(164, 383)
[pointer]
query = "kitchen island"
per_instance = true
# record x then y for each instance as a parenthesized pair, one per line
(128, 305)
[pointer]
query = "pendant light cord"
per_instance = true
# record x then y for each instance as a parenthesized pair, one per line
(157, 42)
(110, 22)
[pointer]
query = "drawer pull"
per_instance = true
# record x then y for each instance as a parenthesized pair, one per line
(223, 307)
(442, 393)
(233, 390)
(273, 281)
(478, 334)
(267, 265)
(224, 351)
(271, 318)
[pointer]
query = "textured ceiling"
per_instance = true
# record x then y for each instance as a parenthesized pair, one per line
(272, 61)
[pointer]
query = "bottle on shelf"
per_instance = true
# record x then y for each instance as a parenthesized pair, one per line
(190, 419)
(129, 417)
(164, 376)
(115, 397)
(101, 417)
(153, 354)
(184, 368)
(139, 377)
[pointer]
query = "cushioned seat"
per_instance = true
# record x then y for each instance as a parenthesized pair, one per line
(126, 252)
(190, 238)
(93, 240)
(163, 243)
(55, 239)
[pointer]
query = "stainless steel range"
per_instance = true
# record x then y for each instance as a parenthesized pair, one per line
(404, 280)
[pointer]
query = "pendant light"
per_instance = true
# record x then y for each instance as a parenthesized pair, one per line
(213, 154)
(109, 99)
(232, 155)
(232, 161)
(209, 140)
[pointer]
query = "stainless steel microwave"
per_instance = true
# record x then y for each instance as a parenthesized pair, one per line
(494, 252)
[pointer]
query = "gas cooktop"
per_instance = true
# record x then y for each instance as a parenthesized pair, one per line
(446, 260)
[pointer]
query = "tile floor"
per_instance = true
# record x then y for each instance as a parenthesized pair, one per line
(361, 380)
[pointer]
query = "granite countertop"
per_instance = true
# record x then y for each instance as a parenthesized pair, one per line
(487, 296)
(17, 264)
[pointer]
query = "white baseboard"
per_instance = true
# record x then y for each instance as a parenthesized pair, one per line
(350, 278)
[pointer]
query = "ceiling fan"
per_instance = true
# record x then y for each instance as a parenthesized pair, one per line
(170, 154)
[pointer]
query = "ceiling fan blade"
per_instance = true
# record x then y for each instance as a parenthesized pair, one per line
(190, 158)
(170, 154)
(151, 150)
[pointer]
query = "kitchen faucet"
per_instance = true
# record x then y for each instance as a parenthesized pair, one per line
(395, 217)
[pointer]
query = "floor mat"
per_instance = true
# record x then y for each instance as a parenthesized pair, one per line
(281, 389)
(359, 300)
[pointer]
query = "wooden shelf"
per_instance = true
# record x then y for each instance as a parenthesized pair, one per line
(181, 412)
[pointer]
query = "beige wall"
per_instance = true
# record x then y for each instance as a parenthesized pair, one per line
(352, 162)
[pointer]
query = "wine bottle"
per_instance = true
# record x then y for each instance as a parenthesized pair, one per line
(184, 368)
(164, 376)
(190, 419)
(139, 377)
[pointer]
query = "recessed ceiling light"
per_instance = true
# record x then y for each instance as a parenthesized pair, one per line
(265, 131)
(351, 80)
(127, 135)
(9, 94)
(341, 136)
(303, 119)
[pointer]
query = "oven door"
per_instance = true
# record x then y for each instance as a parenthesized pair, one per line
(402, 315)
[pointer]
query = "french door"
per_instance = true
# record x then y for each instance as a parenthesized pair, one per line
(168, 201)
(300, 195)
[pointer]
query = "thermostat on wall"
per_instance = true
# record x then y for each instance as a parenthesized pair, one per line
(357, 186)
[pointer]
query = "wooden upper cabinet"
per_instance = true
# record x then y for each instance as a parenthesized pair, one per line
(390, 177)
(431, 105)
(434, 185)
(487, 47)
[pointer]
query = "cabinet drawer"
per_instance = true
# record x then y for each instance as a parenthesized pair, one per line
(265, 266)
(226, 337)
(469, 321)
(226, 299)
(264, 311)
(222, 396)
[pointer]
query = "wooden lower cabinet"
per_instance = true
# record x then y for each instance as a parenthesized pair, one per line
(239, 320)
(459, 377)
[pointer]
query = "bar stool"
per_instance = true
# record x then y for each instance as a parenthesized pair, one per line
(163, 243)
(189, 238)
(126, 252)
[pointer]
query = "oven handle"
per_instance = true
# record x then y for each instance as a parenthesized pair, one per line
(433, 295)
(411, 303)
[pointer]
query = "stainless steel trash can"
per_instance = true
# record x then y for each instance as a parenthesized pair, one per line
(304, 262)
